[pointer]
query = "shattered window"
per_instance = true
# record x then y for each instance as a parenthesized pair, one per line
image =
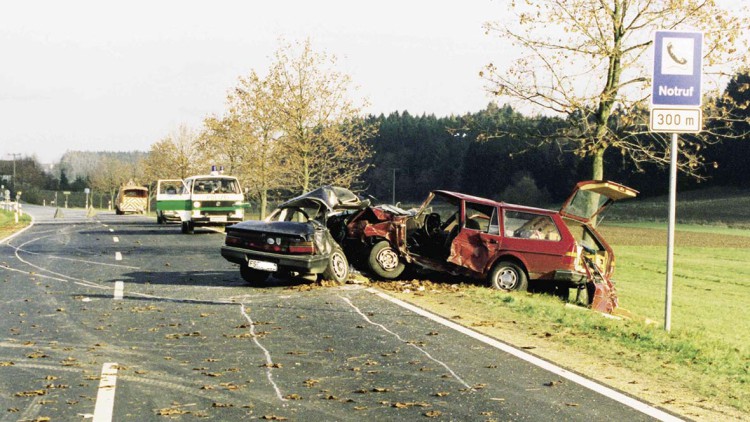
(585, 204)
(526, 225)
(478, 216)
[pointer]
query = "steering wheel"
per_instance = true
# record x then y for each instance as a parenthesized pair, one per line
(432, 223)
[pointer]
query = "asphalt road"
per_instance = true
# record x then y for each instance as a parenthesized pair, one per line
(118, 318)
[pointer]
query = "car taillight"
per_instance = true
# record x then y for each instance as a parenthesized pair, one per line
(302, 248)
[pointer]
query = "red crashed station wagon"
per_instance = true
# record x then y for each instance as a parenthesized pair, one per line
(502, 243)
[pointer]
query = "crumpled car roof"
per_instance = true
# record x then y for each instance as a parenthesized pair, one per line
(333, 197)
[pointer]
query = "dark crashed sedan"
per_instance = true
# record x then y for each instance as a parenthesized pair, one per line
(300, 238)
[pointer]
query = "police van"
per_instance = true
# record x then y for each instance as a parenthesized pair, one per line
(205, 200)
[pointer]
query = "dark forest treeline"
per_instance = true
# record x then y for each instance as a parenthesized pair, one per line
(456, 153)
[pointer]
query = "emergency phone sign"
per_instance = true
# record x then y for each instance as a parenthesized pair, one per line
(676, 84)
(677, 69)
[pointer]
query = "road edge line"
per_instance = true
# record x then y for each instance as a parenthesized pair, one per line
(534, 360)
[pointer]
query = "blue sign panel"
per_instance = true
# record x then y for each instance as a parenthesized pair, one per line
(677, 68)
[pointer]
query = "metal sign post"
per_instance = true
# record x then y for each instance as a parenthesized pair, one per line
(675, 108)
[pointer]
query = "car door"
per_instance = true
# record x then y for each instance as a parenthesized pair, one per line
(478, 238)
(172, 195)
(536, 238)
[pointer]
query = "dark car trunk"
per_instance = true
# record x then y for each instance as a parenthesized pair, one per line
(281, 236)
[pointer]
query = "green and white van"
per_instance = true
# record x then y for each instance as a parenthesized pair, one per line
(206, 200)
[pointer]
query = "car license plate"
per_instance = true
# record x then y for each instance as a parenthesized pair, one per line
(262, 265)
(219, 219)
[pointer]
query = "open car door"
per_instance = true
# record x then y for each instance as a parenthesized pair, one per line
(172, 195)
(590, 198)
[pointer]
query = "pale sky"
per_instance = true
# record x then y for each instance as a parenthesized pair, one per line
(119, 76)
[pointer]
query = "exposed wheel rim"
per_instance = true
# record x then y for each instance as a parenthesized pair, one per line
(339, 265)
(387, 259)
(507, 278)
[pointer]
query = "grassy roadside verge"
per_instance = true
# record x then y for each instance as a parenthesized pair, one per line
(8, 224)
(700, 370)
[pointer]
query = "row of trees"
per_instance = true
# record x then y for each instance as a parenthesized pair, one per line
(414, 154)
(295, 126)
(291, 129)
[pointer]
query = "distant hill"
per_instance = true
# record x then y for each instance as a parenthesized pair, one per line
(83, 163)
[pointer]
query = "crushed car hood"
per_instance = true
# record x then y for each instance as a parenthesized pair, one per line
(332, 197)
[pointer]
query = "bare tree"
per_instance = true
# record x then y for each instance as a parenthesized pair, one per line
(323, 134)
(176, 156)
(589, 60)
(109, 174)
(253, 107)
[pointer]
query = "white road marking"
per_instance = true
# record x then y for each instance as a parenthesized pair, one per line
(115, 239)
(20, 249)
(570, 376)
(118, 256)
(105, 398)
(406, 342)
(269, 362)
(119, 287)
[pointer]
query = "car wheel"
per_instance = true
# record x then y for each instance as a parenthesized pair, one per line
(252, 276)
(338, 267)
(508, 276)
(384, 261)
(188, 227)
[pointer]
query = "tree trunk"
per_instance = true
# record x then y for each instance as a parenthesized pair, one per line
(263, 204)
(597, 168)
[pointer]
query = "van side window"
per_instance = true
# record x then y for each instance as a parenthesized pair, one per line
(526, 225)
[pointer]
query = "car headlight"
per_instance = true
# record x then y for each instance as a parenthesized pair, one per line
(196, 204)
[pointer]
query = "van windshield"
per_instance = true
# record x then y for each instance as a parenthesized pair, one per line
(216, 185)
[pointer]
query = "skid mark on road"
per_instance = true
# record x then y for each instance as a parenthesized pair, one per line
(424, 352)
(20, 248)
(269, 362)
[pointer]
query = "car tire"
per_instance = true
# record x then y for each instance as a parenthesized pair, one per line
(508, 276)
(252, 276)
(338, 267)
(188, 227)
(384, 261)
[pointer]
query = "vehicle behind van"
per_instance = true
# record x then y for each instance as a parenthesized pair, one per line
(131, 198)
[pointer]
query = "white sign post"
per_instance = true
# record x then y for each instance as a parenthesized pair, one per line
(675, 108)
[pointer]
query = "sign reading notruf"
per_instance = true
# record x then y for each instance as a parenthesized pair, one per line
(677, 68)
